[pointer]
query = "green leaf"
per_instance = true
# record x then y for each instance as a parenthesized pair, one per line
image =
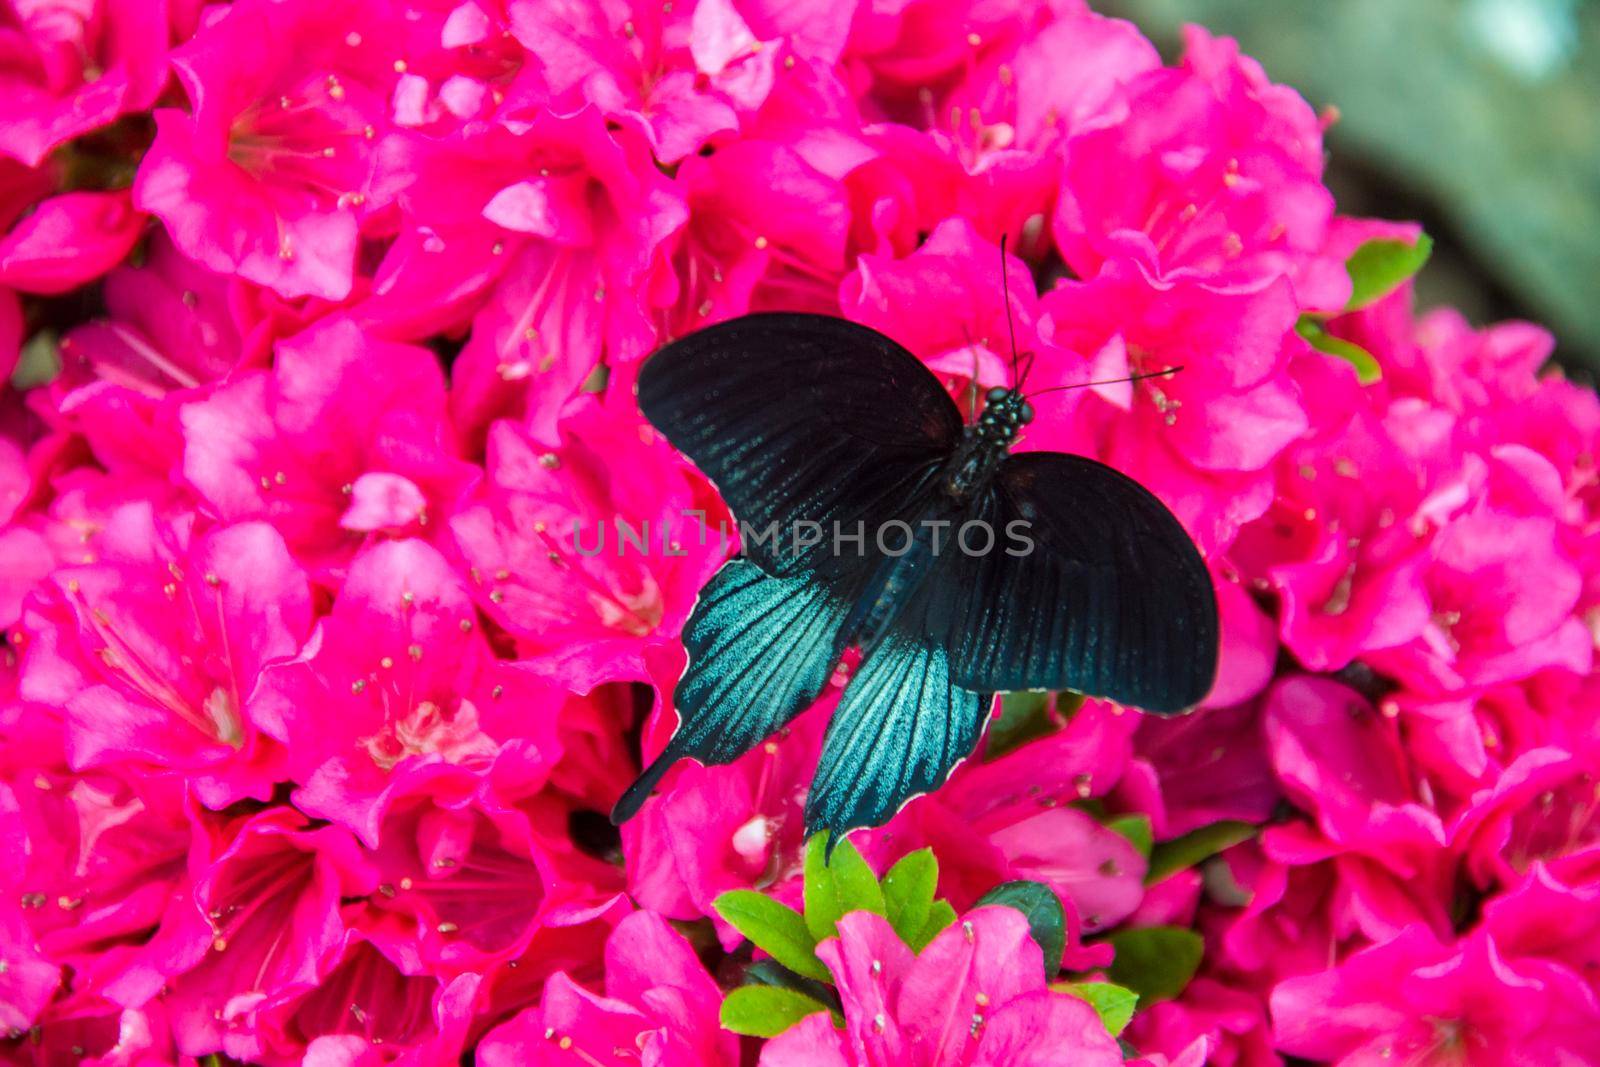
(836, 886)
(1042, 908)
(908, 891)
(1155, 962)
(38, 363)
(1380, 267)
(1368, 369)
(765, 1010)
(1111, 1002)
(776, 929)
(1135, 828)
(940, 916)
(1195, 847)
(1023, 717)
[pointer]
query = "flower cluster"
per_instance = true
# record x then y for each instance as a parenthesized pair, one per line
(321, 320)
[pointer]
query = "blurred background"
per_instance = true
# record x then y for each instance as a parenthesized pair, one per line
(1479, 118)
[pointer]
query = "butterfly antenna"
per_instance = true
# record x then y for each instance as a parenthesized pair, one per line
(1011, 328)
(1109, 381)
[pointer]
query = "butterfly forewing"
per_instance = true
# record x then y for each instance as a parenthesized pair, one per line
(1112, 600)
(803, 419)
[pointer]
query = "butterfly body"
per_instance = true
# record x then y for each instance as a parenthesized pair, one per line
(890, 588)
(986, 443)
(1074, 576)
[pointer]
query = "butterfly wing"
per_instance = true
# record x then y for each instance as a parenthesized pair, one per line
(802, 418)
(901, 726)
(760, 650)
(1113, 600)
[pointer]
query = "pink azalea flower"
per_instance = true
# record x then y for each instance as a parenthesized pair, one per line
(270, 176)
(169, 330)
(1343, 762)
(1294, 919)
(1413, 1000)
(71, 69)
(169, 327)
(1213, 174)
(584, 218)
(1345, 545)
(975, 996)
(98, 860)
(69, 515)
(906, 46)
(11, 337)
(659, 1003)
(152, 652)
(637, 64)
(739, 826)
(398, 672)
(1231, 1024)
(593, 551)
(1541, 809)
(944, 302)
(68, 241)
(371, 1009)
(740, 252)
(1030, 92)
(30, 980)
(260, 924)
(1210, 766)
(1503, 594)
(469, 874)
(89, 1031)
(1544, 915)
(345, 437)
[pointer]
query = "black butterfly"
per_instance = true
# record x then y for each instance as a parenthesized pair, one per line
(802, 419)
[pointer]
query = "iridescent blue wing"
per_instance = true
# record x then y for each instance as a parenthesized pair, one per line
(1113, 599)
(802, 418)
(760, 650)
(900, 728)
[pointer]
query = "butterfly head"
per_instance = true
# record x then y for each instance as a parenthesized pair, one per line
(1005, 412)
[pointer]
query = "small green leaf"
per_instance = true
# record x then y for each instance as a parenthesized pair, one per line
(765, 1010)
(1155, 962)
(38, 363)
(836, 886)
(1195, 847)
(1368, 369)
(1135, 828)
(1023, 717)
(1380, 267)
(1110, 1001)
(940, 916)
(1047, 923)
(771, 972)
(908, 891)
(776, 929)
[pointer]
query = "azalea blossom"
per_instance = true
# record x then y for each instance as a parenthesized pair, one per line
(343, 583)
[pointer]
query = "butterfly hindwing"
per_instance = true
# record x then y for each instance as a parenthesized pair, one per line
(899, 729)
(802, 419)
(760, 650)
(1113, 599)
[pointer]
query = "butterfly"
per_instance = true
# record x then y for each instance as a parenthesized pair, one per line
(812, 423)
